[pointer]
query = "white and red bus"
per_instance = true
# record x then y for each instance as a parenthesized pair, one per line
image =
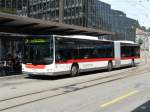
(58, 55)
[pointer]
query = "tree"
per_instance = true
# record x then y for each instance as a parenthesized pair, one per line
(143, 28)
(140, 41)
(148, 29)
(137, 24)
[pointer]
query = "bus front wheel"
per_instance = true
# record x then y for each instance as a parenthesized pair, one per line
(74, 70)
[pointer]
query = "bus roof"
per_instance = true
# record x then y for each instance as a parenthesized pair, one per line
(127, 42)
(84, 37)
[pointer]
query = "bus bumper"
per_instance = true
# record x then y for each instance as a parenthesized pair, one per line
(34, 74)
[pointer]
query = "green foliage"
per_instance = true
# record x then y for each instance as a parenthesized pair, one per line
(137, 24)
(143, 28)
(8, 10)
(140, 41)
(148, 29)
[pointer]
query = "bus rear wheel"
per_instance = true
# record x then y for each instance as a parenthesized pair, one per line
(74, 71)
(110, 66)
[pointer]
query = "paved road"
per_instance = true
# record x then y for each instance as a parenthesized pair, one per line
(130, 94)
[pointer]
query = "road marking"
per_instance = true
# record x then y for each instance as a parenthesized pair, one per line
(119, 98)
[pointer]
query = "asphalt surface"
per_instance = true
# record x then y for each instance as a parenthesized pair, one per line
(130, 94)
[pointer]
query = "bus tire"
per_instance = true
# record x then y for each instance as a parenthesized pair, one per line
(74, 70)
(133, 63)
(110, 66)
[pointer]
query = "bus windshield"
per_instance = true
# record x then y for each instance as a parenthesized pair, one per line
(38, 51)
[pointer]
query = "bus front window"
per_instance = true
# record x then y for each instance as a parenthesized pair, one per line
(38, 52)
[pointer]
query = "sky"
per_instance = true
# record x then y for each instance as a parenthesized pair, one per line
(136, 9)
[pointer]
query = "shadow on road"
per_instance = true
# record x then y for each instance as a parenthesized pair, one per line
(143, 108)
(40, 77)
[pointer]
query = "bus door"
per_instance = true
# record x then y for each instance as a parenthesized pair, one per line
(61, 61)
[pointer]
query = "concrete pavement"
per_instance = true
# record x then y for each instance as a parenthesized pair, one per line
(91, 99)
(123, 95)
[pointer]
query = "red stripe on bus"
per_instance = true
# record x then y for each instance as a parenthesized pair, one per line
(84, 60)
(93, 60)
(126, 58)
(35, 66)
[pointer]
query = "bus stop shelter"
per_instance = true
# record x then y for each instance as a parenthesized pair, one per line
(14, 28)
(25, 25)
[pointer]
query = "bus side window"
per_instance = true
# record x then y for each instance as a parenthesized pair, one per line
(95, 53)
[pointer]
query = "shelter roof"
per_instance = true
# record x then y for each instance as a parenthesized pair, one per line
(29, 26)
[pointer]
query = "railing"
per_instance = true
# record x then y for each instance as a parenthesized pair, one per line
(13, 6)
(8, 10)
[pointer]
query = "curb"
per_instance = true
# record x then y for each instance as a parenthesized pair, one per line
(11, 76)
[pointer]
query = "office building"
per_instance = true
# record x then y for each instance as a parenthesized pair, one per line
(123, 26)
(86, 13)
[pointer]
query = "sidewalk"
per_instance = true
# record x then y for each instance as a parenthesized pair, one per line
(145, 56)
(2, 74)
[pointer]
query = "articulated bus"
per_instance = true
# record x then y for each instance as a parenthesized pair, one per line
(58, 55)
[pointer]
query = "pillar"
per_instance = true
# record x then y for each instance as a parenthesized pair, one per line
(0, 48)
(61, 11)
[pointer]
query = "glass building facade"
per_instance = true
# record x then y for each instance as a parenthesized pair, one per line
(86, 13)
(8, 6)
(123, 26)
(18, 7)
